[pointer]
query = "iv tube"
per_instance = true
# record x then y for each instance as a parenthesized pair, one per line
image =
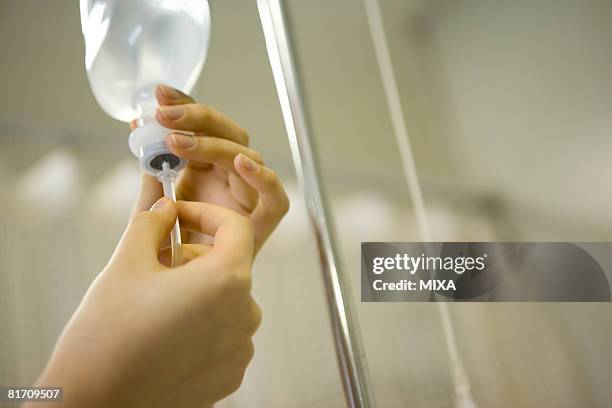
(167, 177)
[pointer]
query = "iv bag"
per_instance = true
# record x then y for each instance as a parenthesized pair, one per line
(133, 45)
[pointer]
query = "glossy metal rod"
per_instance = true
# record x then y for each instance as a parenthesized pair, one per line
(351, 360)
(461, 383)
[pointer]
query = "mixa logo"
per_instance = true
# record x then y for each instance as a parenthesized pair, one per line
(432, 285)
(436, 285)
(413, 264)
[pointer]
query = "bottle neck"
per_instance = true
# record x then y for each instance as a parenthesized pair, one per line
(145, 105)
(144, 119)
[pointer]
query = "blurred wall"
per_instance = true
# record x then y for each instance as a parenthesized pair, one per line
(507, 106)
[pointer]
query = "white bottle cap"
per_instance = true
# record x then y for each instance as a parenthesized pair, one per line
(148, 143)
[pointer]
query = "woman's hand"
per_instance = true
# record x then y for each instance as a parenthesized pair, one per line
(222, 170)
(149, 336)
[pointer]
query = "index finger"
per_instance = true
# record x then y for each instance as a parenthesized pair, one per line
(233, 233)
(166, 95)
(195, 117)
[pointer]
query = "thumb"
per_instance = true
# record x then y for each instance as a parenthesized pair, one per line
(146, 231)
(150, 190)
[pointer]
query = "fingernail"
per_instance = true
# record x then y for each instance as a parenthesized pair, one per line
(248, 163)
(183, 141)
(171, 112)
(160, 203)
(170, 92)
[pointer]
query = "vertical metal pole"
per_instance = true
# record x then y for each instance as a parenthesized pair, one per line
(461, 383)
(351, 359)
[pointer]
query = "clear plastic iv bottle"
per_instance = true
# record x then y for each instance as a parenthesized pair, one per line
(133, 45)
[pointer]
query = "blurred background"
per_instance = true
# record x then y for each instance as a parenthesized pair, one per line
(508, 109)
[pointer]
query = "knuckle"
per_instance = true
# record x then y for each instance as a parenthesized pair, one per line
(236, 282)
(256, 156)
(203, 113)
(228, 386)
(256, 317)
(273, 178)
(243, 356)
(244, 223)
(210, 145)
(284, 204)
(234, 383)
(247, 225)
(243, 136)
(143, 218)
(249, 353)
(279, 207)
(281, 203)
(251, 154)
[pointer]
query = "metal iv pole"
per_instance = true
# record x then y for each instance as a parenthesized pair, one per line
(351, 360)
(461, 383)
